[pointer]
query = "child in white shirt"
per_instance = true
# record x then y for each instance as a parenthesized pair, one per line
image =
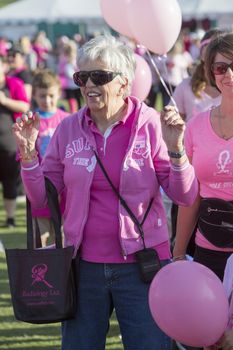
(226, 341)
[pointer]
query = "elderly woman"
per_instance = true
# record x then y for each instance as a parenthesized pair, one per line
(126, 136)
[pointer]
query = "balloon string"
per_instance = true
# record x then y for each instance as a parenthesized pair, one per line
(166, 75)
(161, 79)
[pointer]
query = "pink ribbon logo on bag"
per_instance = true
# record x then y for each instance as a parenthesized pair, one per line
(38, 274)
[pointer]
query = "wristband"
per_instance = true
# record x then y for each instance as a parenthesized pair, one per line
(179, 257)
(176, 155)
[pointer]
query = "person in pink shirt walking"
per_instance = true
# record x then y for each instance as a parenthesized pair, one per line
(209, 145)
(194, 94)
(13, 102)
(114, 146)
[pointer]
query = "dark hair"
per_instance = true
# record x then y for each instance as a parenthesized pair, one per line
(199, 79)
(212, 33)
(223, 45)
(14, 50)
(44, 79)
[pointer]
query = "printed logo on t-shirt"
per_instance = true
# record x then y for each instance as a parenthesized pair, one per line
(223, 163)
(223, 175)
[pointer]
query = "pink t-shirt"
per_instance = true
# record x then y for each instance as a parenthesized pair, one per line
(100, 239)
(48, 124)
(189, 104)
(212, 158)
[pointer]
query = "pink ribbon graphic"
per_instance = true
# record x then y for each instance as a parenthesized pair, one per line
(38, 274)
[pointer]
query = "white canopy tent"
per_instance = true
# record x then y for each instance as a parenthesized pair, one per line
(72, 10)
(214, 8)
(22, 17)
(50, 10)
(219, 10)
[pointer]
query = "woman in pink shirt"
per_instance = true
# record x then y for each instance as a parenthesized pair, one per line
(125, 135)
(13, 102)
(194, 94)
(209, 145)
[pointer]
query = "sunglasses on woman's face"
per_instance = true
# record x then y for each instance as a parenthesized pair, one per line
(220, 68)
(98, 77)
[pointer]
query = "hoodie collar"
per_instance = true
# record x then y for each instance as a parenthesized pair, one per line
(130, 108)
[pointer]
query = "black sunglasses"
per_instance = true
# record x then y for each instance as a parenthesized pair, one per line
(220, 68)
(98, 77)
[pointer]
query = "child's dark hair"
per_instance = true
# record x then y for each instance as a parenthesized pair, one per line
(3, 59)
(44, 79)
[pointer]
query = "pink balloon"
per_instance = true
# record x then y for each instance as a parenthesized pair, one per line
(155, 25)
(188, 302)
(143, 79)
(115, 14)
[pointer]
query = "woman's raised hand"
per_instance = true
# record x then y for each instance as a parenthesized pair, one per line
(173, 127)
(26, 130)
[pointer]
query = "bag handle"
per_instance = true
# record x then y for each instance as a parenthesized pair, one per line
(30, 230)
(54, 207)
(123, 202)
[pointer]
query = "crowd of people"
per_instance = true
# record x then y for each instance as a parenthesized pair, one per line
(34, 76)
(182, 153)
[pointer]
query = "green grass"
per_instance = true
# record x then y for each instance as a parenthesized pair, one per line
(6, 2)
(16, 335)
(159, 102)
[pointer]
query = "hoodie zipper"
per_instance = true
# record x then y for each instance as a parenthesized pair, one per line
(128, 153)
(77, 246)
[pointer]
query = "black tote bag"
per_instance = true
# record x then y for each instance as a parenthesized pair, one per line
(42, 281)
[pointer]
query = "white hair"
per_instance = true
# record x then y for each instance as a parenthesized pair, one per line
(116, 55)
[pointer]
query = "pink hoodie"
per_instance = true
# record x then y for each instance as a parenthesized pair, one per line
(70, 163)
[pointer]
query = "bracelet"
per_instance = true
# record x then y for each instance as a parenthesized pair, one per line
(176, 155)
(179, 257)
(29, 156)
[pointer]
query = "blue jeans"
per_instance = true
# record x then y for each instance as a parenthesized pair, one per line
(102, 288)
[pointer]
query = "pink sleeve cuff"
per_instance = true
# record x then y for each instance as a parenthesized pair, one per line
(29, 166)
